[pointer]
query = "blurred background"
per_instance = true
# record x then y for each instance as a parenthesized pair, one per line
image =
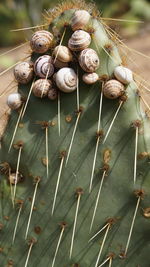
(23, 13)
(16, 14)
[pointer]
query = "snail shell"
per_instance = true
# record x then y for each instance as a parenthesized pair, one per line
(43, 65)
(113, 89)
(14, 101)
(41, 41)
(123, 74)
(41, 87)
(80, 19)
(89, 60)
(79, 40)
(59, 64)
(52, 93)
(23, 72)
(66, 80)
(90, 78)
(54, 77)
(12, 178)
(63, 53)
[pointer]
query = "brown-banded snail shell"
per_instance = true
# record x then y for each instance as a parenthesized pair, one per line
(89, 60)
(41, 41)
(54, 77)
(43, 66)
(41, 87)
(62, 53)
(52, 93)
(14, 179)
(90, 78)
(79, 40)
(59, 64)
(80, 19)
(66, 80)
(14, 101)
(23, 72)
(123, 74)
(113, 89)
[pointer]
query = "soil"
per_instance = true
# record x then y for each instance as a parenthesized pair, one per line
(136, 62)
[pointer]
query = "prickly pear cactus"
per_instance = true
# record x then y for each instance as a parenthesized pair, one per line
(74, 156)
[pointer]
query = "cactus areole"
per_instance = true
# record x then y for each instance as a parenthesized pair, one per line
(75, 172)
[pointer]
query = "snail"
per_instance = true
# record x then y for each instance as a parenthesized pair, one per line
(59, 64)
(123, 74)
(41, 41)
(52, 93)
(14, 101)
(66, 80)
(54, 77)
(90, 78)
(23, 72)
(55, 31)
(89, 60)
(62, 53)
(12, 178)
(43, 66)
(41, 87)
(80, 19)
(79, 40)
(113, 89)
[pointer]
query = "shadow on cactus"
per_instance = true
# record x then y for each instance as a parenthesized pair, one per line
(75, 187)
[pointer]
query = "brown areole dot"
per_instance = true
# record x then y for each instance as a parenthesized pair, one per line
(68, 118)
(37, 230)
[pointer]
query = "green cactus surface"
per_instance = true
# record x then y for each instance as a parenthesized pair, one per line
(59, 193)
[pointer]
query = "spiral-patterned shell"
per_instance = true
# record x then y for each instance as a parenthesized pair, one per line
(43, 66)
(80, 19)
(90, 78)
(113, 89)
(41, 41)
(59, 64)
(14, 101)
(62, 53)
(66, 80)
(41, 87)
(79, 40)
(23, 72)
(123, 74)
(52, 93)
(89, 60)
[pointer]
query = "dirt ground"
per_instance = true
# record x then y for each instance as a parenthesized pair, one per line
(139, 64)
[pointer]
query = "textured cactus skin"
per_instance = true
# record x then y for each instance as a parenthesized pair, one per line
(117, 199)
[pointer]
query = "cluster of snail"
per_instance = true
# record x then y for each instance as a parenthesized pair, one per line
(65, 78)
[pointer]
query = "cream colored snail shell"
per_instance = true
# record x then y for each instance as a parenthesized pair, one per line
(79, 40)
(66, 80)
(123, 74)
(23, 72)
(41, 87)
(12, 178)
(113, 89)
(89, 60)
(59, 64)
(43, 65)
(41, 41)
(80, 19)
(90, 78)
(55, 31)
(14, 101)
(52, 93)
(62, 53)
